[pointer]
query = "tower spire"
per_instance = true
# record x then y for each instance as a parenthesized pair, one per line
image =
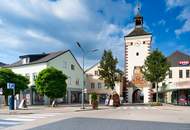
(138, 6)
(138, 18)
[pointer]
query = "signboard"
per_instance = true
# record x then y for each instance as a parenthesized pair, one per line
(1, 91)
(10, 86)
(184, 62)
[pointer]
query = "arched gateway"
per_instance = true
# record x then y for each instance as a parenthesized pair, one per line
(138, 96)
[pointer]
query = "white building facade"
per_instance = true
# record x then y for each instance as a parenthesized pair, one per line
(137, 48)
(95, 84)
(176, 87)
(31, 65)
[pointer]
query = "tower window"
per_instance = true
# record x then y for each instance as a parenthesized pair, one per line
(131, 43)
(144, 42)
(137, 54)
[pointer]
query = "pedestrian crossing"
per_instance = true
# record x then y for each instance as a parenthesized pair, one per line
(135, 108)
(19, 119)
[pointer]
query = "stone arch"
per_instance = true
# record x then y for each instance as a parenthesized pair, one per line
(138, 96)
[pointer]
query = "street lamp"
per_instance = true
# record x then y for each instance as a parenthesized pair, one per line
(83, 77)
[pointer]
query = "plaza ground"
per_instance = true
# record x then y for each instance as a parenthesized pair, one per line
(130, 117)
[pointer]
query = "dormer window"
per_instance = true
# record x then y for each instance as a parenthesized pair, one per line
(26, 60)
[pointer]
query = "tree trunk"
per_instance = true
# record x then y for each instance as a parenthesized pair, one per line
(6, 100)
(157, 92)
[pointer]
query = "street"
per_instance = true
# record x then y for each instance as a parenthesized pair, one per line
(106, 118)
(110, 124)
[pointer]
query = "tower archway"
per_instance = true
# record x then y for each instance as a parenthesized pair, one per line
(138, 96)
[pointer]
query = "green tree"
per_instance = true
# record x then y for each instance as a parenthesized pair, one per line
(52, 83)
(155, 68)
(107, 69)
(8, 76)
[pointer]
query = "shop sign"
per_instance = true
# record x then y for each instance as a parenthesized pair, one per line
(184, 63)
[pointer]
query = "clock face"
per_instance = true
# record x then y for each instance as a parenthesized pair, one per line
(138, 43)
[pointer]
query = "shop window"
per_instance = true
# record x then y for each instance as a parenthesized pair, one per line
(99, 85)
(170, 74)
(72, 67)
(180, 73)
(187, 73)
(92, 85)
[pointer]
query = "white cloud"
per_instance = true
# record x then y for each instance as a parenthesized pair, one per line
(162, 22)
(34, 27)
(175, 3)
(184, 15)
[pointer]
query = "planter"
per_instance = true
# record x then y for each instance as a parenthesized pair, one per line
(95, 104)
(94, 101)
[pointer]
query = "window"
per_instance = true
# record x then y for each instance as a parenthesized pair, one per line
(64, 64)
(92, 85)
(69, 81)
(170, 74)
(144, 42)
(27, 76)
(180, 73)
(25, 60)
(96, 73)
(99, 85)
(137, 54)
(131, 43)
(187, 73)
(72, 67)
(34, 76)
(77, 82)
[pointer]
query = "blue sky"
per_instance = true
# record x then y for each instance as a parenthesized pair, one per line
(37, 26)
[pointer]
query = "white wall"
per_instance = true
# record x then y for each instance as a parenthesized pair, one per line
(63, 63)
(143, 49)
(29, 69)
(175, 74)
(92, 78)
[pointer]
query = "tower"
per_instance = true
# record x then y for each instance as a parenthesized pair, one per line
(137, 48)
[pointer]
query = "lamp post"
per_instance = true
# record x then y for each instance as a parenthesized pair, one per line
(83, 77)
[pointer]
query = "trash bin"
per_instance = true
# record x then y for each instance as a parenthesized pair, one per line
(11, 103)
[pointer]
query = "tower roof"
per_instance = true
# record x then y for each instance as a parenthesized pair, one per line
(137, 32)
(139, 29)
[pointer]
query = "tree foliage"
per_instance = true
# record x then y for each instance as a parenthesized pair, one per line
(51, 82)
(107, 69)
(155, 68)
(8, 76)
